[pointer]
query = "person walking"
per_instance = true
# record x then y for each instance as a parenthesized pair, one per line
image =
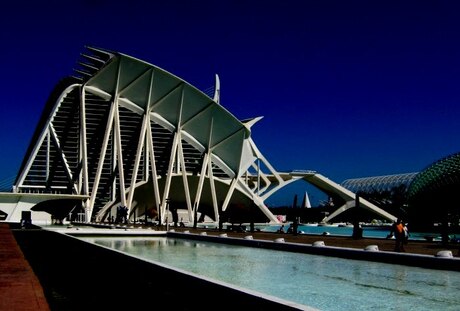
(399, 232)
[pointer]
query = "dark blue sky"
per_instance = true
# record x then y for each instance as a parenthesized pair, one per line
(347, 88)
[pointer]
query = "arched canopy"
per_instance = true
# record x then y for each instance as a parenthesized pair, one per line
(379, 183)
(140, 86)
(442, 173)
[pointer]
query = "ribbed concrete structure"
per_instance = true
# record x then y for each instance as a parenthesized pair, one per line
(125, 135)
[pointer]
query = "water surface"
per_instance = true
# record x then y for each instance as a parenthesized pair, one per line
(326, 283)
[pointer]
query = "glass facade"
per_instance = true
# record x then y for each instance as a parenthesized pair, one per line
(422, 198)
(441, 174)
(379, 183)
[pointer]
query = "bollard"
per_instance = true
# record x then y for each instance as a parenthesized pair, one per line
(371, 248)
(444, 254)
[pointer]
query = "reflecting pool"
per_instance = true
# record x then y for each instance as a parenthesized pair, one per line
(326, 283)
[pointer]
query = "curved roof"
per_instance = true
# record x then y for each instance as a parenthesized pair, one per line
(442, 173)
(174, 102)
(122, 122)
(379, 183)
(126, 132)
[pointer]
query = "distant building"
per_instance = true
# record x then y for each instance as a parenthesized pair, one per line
(423, 198)
(433, 195)
(379, 183)
(389, 192)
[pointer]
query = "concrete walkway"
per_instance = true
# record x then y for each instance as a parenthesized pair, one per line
(19, 286)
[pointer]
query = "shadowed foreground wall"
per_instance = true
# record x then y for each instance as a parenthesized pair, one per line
(77, 275)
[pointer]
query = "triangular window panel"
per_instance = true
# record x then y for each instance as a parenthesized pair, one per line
(194, 103)
(106, 78)
(199, 127)
(130, 70)
(163, 84)
(224, 125)
(230, 150)
(169, 106)
(247, 156)
(138, 91)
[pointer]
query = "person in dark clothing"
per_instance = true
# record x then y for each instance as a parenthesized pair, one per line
(399, 232)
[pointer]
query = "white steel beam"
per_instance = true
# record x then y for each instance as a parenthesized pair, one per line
(151, 153)
(169, 176)
(139, 154)
(184, 177)
(215, 204)
(83, 179)
(108, 130)
(199, 189)
(119, 153)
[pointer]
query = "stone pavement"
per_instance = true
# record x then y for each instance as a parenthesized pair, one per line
(20, 289)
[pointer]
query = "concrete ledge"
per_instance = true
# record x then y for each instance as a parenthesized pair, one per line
(416, 260)
(105, 231)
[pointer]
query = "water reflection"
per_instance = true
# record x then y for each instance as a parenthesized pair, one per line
(326, 283)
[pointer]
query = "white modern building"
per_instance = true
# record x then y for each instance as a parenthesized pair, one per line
(123, 132)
